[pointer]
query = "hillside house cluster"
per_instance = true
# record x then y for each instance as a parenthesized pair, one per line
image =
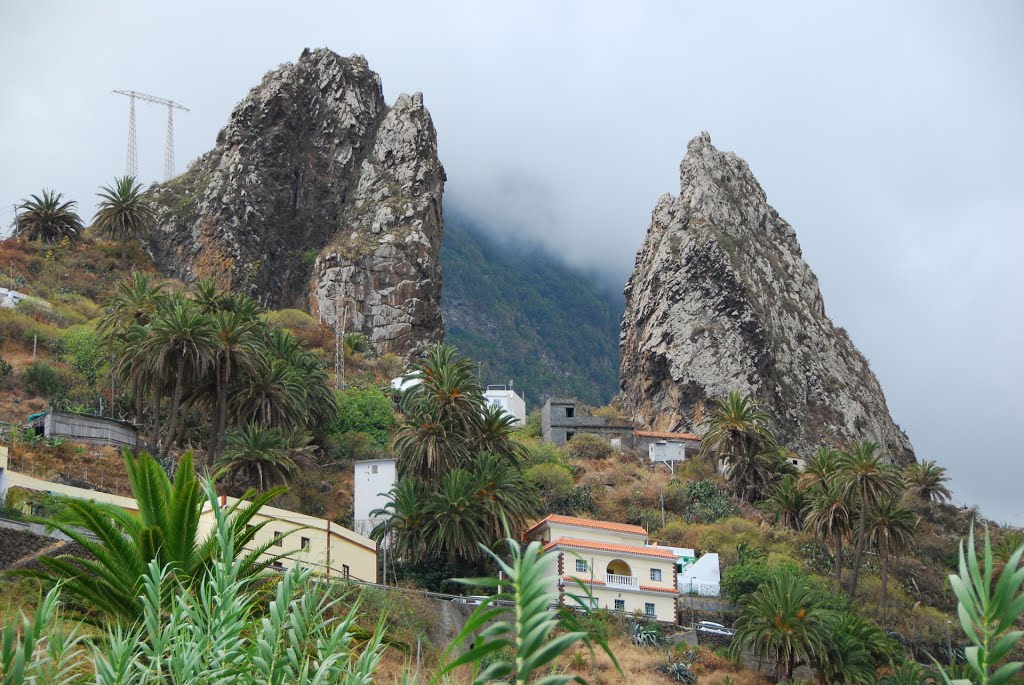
(563, 418)
(621, 568)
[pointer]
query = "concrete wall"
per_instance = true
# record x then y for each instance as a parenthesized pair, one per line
(558, 427)
(374, 478)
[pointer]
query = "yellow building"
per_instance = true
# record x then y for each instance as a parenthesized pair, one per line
(321, 545)
(623, 572)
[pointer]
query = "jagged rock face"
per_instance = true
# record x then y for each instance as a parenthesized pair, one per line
(318, 196)
(720, 299)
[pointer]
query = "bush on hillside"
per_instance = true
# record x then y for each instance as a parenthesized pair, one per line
(553, 481)
(364, 410)
(19, 326)
(588, 446)
(579, 500)
(707, 502)
(351, 446)
(43, 380)
(83, 350)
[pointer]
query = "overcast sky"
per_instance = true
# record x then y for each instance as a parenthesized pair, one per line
(890, 135)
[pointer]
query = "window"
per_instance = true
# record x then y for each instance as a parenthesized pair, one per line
(279, 536)
(581, 566)
(345, 573)
(277, 566)
(568, 435)
(655, 574)
(649, 609)
(570, 412)
(305, 544)
(373, 469)
(620, 605)
(594, 603)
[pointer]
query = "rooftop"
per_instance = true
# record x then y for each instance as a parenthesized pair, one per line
(611, 547)
(666, 435)
(589, 523)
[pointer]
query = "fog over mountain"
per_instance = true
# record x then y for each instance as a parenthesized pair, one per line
(889, 136)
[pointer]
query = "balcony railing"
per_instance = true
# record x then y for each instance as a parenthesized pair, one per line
(621, 581)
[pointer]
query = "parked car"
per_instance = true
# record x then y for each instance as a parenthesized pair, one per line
(713, 628)
(472, 600)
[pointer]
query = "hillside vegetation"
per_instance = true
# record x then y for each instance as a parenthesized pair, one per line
(525, 315)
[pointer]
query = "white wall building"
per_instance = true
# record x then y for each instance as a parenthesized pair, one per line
(374, 478)
(403, 383)
(702, 577)
(505, 397)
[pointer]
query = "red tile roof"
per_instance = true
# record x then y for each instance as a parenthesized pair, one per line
(609, 547)
(589, 523)
(668, 436)
(649, 588)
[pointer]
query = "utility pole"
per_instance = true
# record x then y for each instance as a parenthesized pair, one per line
(132, 162)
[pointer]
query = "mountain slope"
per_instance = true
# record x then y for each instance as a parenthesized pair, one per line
(721, 299)
(528, 317)
(317, 195)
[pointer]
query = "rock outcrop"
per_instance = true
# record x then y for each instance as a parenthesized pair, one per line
(318, 196)
(720, 299)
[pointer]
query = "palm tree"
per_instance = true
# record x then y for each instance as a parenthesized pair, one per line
(124, 213)
(890, 532)
(507, 497)
(180, 340)
(753, 469)
(135, 303)
(910, 673)
(736, 426)
(787, 505)
(259, 454)
(237, 347)
(404, 519)
(830, 519)
(820, 469)
(497, 435)
(783, 620)
(926, 480)
(47, 219)
(273, 394)
(854, 649)
(867, 480)
(165, 530)
(458, 522)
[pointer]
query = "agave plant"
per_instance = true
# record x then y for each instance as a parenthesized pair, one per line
(988, 610)
(207, 635)
(535, 635)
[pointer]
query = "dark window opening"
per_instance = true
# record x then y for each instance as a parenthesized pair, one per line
(305, 543)
(278, 539)
(570, 412)
(344, 571)
(568, 435)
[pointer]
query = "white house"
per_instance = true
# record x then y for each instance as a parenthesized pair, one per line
(9, 299)
(702, 577)
(505, 397)
(374, 478)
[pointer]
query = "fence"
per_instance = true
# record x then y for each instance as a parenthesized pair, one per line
(692, 586)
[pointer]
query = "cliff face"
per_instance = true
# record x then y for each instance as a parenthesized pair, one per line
(319, 196)
(720, 299)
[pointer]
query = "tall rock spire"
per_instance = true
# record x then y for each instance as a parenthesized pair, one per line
(317, 195)
(721, 299)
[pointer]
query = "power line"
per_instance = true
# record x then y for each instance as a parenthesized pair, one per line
(132, 161)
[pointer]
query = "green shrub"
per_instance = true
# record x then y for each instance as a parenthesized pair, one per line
(5, 368)
(707, 502)
(351, 446)
(17, 325)
(588, 446)
(364, 410)
(552, 480)
(83, 350)
(43, 380)
(579, 500)
(742, 579)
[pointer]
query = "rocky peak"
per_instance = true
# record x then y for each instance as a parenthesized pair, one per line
(318, 195)
(720, 299)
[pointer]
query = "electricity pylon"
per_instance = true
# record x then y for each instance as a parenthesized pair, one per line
(132, 164)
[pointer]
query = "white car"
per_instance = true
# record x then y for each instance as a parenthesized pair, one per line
(713, 628)
(473, 600)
